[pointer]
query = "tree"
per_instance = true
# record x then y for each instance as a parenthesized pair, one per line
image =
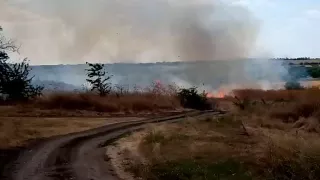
(190, 98)
(314, 72)
(15, 82)
(98, 79)
(293, 85)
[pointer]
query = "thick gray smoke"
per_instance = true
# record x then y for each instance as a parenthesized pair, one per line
(75, 31)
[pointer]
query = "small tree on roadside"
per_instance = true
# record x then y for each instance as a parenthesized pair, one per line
(15, 82)
(293, 85)
(98, 79)
(191, 98)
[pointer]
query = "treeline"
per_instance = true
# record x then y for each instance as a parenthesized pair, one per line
(299, 72)
(298, 58)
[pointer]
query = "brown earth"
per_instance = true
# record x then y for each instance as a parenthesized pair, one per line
(77, 155)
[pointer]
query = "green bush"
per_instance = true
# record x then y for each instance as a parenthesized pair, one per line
(293, 85)
(190, 98)
(314, 72)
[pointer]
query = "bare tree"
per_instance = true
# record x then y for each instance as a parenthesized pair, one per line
(7, 44)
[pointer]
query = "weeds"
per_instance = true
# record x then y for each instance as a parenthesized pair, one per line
(242, 104)
(281, 141)
(292, 158)
(193, 170)
(127, 102)
(154, 137)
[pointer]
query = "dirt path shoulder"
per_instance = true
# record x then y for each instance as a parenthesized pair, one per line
(76, 156)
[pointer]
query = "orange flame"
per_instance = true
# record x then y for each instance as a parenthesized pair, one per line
(219, 94)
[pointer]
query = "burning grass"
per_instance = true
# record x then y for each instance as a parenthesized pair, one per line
(274, 136)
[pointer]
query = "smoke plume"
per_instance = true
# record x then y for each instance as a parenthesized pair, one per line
(75, 31)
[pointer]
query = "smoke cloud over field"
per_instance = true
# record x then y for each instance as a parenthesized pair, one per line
(111, 31)
(75, 31)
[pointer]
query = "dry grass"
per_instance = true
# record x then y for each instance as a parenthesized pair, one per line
(278, 95)
(19, 131)
(75, 104)
(20, 123)
(157, 97)
(130, 102)
(273, 138)
(275, 152)
(31, 111)
(284, 105)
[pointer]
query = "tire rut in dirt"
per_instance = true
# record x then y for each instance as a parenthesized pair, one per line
(7, 157)
(59, 163)
(58, 158)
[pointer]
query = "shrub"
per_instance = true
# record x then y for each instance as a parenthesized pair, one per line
(181, 170)
(293, 85)
(190, 98)
(314, 72)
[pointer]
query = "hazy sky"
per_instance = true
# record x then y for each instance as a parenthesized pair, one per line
(289, 27)
(275, 28)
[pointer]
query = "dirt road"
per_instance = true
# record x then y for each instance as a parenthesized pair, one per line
(78, 156)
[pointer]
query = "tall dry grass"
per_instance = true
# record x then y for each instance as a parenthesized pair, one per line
(156, 97)
(274, 137)
(128, 102)
(278, 95)
(215, 148)
(285, 105)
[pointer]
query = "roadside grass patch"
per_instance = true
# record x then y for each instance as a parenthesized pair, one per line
(276, 138)
(193, 170)
(292, 158)
(227, 121)
(154, 137)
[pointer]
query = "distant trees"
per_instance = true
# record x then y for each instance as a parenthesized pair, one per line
(314, 72)
(15, 82)
(298, 72)
(298, 58)
(98, 79)
(293, 85)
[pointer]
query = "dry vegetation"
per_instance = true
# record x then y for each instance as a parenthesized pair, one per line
(129, 102)
(66, 104)
(270, 135)
(66, 112)
(63, 113)
(19, 131)
(73, 112)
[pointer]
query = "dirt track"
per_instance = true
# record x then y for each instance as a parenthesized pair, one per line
(77, 156)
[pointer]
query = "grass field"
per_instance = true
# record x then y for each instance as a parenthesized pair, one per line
(266, 135)
(66, 112)
(19, 131)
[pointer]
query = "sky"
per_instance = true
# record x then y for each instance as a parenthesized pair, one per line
(285, 28)
(289, 28)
